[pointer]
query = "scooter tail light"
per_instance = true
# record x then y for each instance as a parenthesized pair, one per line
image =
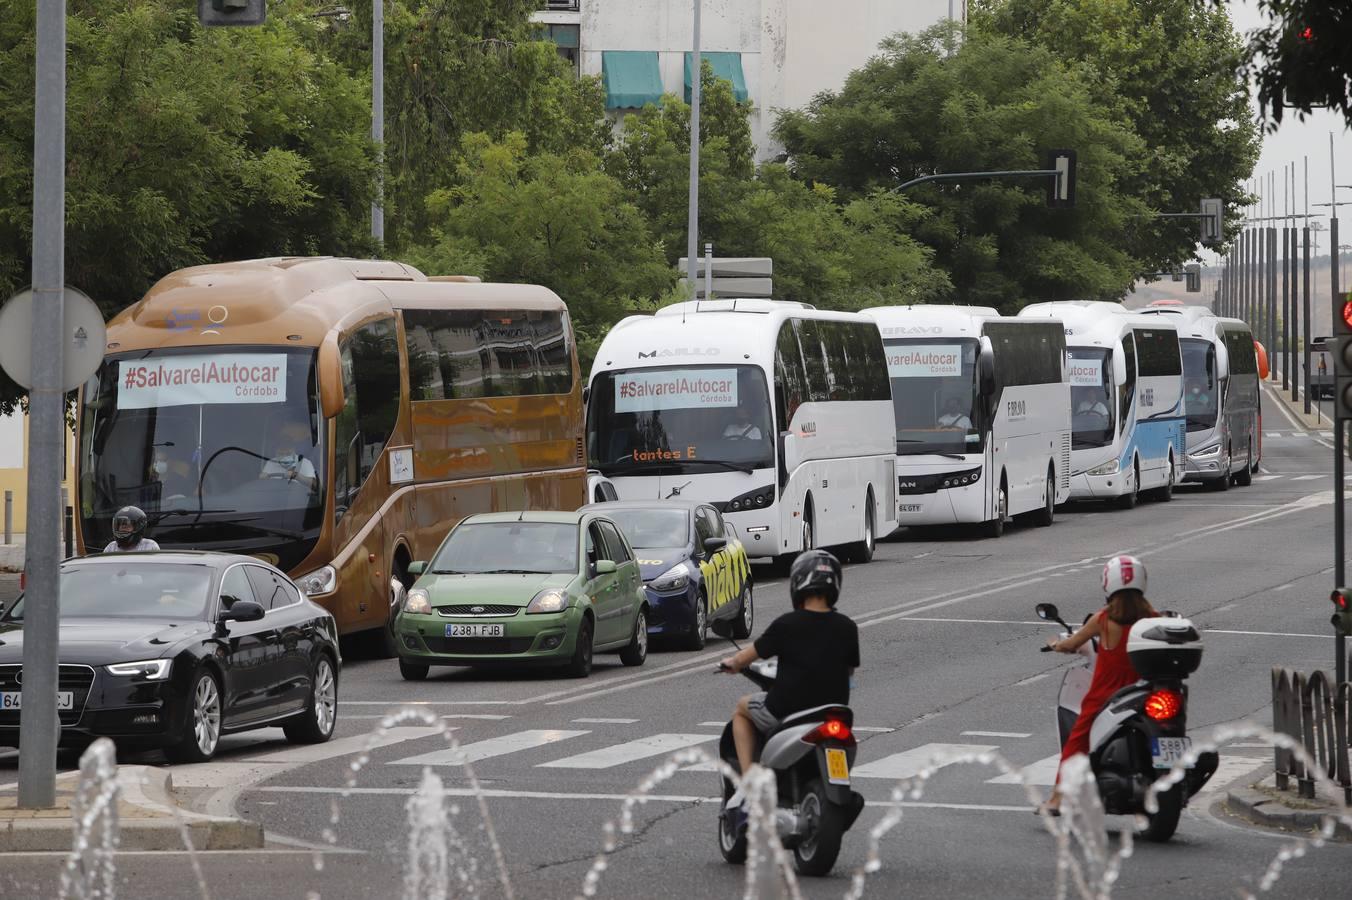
(1163, 705)
(830, 730)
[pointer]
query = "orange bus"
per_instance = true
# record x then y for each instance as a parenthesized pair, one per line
(334, 417)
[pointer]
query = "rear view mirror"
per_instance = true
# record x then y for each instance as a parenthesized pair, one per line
(722, 627)
(241, 611)
(985, 370)
(714, 544)
(417, 568)
(605, 567)
(330, 371)
(1047, 612)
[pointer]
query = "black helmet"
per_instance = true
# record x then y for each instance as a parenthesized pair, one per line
(129, 523)
(815, 572)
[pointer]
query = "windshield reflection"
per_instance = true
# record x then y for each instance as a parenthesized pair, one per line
(1201, 396)
(653, 528)
(934, 395)
(508, 548)
(1091, 398)
(144, 590)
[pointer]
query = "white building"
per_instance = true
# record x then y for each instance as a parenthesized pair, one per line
(777, 53)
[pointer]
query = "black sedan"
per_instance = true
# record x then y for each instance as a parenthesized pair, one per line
(174, 649)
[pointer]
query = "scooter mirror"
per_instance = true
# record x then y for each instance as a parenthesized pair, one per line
(1047, 612)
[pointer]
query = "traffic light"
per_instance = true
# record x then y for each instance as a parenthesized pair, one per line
(1061, 186)
(1342, 610)
(232, 12)
(1342, 360)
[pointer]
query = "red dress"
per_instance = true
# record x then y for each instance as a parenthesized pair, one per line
(1112, 672)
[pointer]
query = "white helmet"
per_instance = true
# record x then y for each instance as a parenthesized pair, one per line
(1123, 573)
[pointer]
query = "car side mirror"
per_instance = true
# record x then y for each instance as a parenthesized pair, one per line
(1047, 612)
(417, 568)
(722, 627)
(240, 611)
(714, 544)
(605, 567)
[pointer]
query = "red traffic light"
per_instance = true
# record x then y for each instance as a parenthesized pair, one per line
(1340, 600)
(1347, 313)
(1306, 33)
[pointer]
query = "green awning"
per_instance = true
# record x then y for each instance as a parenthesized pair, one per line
(631, 78)
(727, 66)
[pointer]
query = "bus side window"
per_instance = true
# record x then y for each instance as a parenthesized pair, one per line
(790, 376)
(814, 360)
(370, 362)
(1128, 388)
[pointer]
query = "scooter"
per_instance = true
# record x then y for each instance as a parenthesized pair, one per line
(1142, 731)
(811, 753)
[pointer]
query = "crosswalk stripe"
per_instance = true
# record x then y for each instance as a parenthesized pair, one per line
(1307, 477)
(343, 746)
(1041, 773)
(486, 749)
(1265, 477)
(908, 763)
(1273, 434)
(619, 754)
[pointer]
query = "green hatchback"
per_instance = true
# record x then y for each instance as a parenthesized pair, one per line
(528, 588)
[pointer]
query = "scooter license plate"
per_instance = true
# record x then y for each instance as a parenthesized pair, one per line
(837, 766)
(1164, 752)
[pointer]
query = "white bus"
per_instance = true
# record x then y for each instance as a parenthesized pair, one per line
(776, 413)
(1126, 396)
(982, 412)
(1221, 395)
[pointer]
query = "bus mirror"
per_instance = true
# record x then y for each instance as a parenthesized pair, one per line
(1119, 368)
(331, 397)
(788, 452)
(985, 370)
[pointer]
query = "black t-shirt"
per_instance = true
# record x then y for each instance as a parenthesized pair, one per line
(816, 651)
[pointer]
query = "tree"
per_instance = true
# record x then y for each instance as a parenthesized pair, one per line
(1172, 70)
(185, 145)
(928, 105)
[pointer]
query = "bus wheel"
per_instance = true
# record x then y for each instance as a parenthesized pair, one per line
(1166, 493)
(1047, 514)
(1244, 477)
(1128, 500)
(862, 551)
(996, 527)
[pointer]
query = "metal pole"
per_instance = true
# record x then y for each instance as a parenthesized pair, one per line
(709, 271)
(40, 724)
(378, 114)
(692, 226)
(1287, 327)
(1273, 329)
(1306, 234)
(9, 517)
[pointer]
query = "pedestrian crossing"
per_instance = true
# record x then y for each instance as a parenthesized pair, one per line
(1298, 435)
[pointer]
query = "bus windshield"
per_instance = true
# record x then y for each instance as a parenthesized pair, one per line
(1200, 394)
(680, 419)
(934, 395)
(1091, 397)
(222, 448)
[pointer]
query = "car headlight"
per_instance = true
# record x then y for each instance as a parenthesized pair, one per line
(673, 579)
(1211, 450)
(1111, 467)
(549, 600)
(147, 669)
(418, 602)
(320, 581)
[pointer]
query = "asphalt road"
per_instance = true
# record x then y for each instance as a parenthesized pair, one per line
(950, 664)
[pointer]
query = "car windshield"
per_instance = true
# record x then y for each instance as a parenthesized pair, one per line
(477, 548)
(934, 395)
(1091, 398)
(221, 448)
(1200, 395)
(682, 419)
(653, 528)
(136, 590)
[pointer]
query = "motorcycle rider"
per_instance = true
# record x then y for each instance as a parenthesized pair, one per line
(129, 524)
(1124, 585)
(818, 651)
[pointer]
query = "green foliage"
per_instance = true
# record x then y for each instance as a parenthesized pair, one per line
(928, 104)
(184, 145)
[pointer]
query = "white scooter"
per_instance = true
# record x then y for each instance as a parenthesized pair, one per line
(1142, 730)
(811, 753)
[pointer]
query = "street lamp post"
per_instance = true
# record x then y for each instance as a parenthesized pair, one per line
(692, 225)
(378, 115)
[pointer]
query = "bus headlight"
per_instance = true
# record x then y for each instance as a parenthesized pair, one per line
(320, 581)
(757, 499)
(1211, 450)
(1111, 467)
(960, 479)
(673, 579)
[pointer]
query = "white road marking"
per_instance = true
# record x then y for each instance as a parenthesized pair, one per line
(605, 721)
(343, 746)
(1273, 434)
(909, 763)
(630, 751)
(873, 729)
(711, 724)
(477, 716)
(1261, 478)
(1307, 477)
(1003, 734)
(1260, 745)
(498, 746)
(1040, 774)
(1267, 633)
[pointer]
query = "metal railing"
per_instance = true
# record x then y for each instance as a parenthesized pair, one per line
(1314, 712)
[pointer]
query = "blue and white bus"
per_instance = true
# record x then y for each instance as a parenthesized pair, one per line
(1126, 393)
(982, 413)
(777, 414)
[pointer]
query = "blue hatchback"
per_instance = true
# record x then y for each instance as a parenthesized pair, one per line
(693, 566)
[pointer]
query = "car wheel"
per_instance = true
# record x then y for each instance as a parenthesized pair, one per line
(1244, 477)
(412, 671)
(1130, 498)
(746, 616)
(1047, 514)
(862, 551)
(202, 726)
(637, 650)
(1166, 493)
(382, 641)
(996, 527)
(316, 724)
(699, 631)
(580, 665)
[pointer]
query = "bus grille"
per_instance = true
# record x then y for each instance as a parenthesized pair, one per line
(1065, 462)
(581, 450)
(76, 679)
(478, 609)
(478, 646)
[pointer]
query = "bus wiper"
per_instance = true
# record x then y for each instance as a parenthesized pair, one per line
(511, 572)
(736, 467)
(950, 455)
(263, 529)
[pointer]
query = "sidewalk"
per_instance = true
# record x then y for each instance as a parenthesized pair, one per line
(149, 818)
(1311, 422)
(1262, 804)
(11, 555)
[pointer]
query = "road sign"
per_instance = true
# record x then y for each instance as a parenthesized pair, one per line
(231, 12)
(736, 287)
(737, 276)
(1061, 189)
(82, 339)
(1213, 218)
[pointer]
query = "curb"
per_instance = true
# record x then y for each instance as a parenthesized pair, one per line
(1262, 809)
(1296, 408)
(161, 826)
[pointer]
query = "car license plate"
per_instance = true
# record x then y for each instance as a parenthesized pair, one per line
(837, 766)
(1164, 752)
(912, 507)
(14, 699)
(474, 630)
